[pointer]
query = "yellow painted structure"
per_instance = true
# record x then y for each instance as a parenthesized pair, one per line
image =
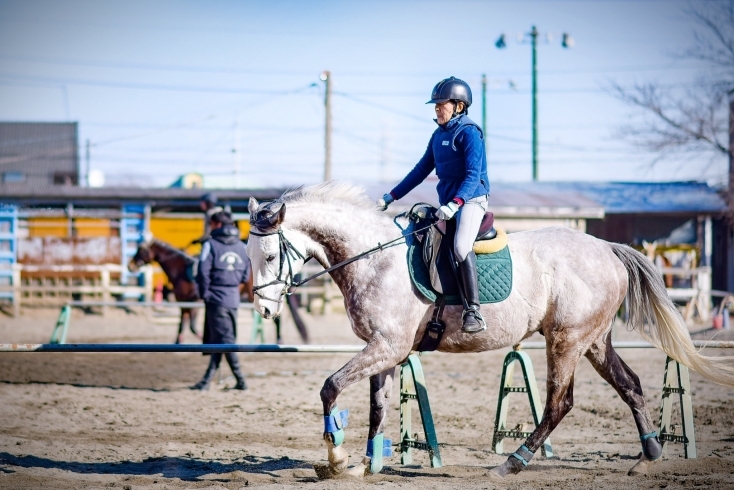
(58, 227)
(180, 232)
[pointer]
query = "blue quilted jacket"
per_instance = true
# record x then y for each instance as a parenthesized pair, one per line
(456, 151)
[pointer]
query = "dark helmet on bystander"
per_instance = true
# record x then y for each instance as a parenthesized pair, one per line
(209, 198)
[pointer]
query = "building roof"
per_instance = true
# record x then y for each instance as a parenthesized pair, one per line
(510, 200)
(581, 199)
(649, 197)
(56, 195)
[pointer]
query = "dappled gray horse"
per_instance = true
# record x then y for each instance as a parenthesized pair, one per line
(567, 286)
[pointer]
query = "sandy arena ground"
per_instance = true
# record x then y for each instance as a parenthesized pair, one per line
(129, 420)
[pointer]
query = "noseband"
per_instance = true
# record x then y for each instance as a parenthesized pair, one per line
(287, 250)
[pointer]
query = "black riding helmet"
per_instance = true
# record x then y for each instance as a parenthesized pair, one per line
(451, 88)
(209, 198)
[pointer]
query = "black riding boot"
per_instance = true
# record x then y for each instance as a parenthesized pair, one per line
(214, 361)
(234, 365)
(472, 319)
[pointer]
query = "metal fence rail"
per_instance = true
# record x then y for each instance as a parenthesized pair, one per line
(131, 304)
(327, 349)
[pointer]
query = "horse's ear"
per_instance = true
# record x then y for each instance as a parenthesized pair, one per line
(280, 216)
(276, 214)
(252, 206)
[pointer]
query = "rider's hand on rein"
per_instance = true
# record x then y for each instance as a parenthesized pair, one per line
(447, 211)
(384, 202)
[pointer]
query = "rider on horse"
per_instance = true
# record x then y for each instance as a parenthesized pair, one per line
(456, 151)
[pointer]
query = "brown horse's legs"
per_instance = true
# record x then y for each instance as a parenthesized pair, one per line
(193, 313)
(559, 401)
(181, 325)
(613, 369)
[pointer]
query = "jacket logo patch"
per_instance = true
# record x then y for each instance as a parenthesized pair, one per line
(445, 143)
(230, 258)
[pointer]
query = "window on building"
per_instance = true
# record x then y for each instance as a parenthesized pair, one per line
(10, 177)
(64, 178)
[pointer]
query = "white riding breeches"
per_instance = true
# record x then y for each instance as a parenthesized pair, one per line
(468, 221)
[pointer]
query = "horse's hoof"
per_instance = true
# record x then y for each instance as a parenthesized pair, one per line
(324, 471)
(338, 458)
(360, 470)
(642, 467)
(512, 466)
(179, 339)
(327, 472)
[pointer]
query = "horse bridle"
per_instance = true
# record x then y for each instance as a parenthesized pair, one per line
(287, 250)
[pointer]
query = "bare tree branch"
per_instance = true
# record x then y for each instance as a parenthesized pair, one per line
(675, 122)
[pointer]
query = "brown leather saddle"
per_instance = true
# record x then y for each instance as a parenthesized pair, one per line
(437, 242)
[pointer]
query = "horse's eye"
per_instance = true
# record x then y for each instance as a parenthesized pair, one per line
(270, 258)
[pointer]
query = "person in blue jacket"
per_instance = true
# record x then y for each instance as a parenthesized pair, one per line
(456, 151)
(223, 266)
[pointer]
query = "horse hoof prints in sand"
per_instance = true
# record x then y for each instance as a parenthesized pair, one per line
(566, 285)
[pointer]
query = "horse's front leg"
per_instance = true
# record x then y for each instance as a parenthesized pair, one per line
(377, 357)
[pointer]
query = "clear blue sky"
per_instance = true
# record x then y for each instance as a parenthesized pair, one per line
(157, 87)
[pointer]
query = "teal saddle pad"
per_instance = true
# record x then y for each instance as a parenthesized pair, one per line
(494, 272)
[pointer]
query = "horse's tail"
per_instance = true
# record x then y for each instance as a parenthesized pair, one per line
(653, 314)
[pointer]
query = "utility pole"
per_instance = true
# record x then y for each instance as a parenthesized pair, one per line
(326, 78)
(86, 161)
(534, 41)
(729, 237)
(484, 114)
(731, 152)
(566, 42)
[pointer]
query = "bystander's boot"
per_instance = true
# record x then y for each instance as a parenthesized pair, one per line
(203, 385)
(472, 321)
(234, 364)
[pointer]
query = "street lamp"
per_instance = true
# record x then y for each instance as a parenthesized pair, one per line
(567, 42)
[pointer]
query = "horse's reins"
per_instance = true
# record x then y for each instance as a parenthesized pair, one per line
(286, 248)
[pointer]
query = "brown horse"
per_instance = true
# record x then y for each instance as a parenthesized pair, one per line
(177, 266)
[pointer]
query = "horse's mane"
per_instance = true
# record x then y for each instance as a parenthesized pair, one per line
(172, 249)
(339, 193)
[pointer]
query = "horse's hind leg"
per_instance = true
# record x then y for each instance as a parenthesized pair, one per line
(562, 361)
(613, 369)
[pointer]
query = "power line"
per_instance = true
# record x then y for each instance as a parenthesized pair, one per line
(150, 86)
(364, 74)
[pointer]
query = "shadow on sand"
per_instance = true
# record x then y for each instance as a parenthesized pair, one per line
(167, 466)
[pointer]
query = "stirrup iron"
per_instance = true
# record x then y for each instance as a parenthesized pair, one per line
(478, 316)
